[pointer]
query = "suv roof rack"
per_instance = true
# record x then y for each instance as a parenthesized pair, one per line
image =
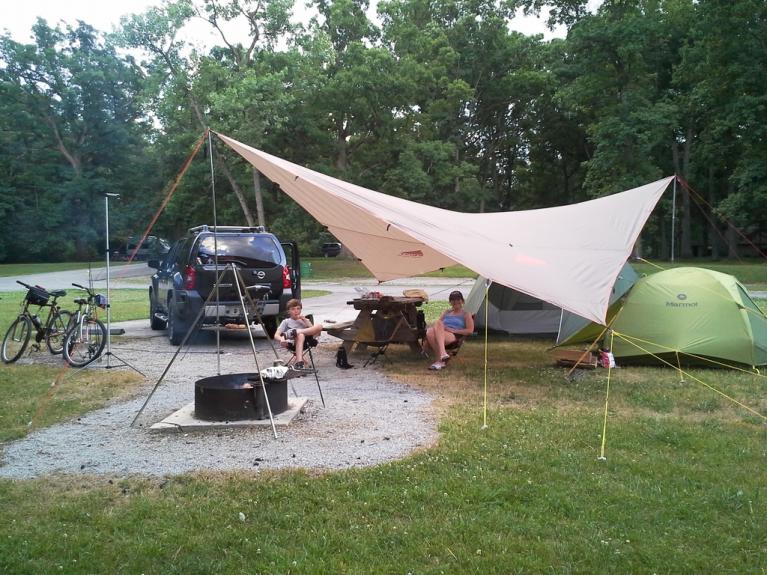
(242, 229)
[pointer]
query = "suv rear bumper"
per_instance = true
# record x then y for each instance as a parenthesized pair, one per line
(190, 303)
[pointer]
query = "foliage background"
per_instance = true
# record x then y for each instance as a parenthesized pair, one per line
(438, 102)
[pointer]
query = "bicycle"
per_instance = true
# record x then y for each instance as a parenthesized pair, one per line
(53, 330)
(86, 335)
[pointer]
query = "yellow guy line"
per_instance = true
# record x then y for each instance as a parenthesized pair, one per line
(755, 371)
(703, 383)
(651, 263)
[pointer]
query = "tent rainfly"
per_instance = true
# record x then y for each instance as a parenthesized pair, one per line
(568, 256)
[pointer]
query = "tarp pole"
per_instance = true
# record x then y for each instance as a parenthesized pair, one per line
(607, 401)
(673, 218)
(215, 257)
(487, 303)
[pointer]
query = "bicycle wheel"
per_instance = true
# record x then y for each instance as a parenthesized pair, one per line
(57, 332)
(85, 342)
(16, 339)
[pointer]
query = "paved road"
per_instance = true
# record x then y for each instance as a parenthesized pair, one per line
(119, 277)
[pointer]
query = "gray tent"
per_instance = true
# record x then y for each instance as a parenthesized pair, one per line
(574, 325)
(511, 311)
(517, 313)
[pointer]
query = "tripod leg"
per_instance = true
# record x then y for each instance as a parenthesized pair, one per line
(316, 377)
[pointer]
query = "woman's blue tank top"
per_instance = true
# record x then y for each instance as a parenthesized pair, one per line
(455, 321)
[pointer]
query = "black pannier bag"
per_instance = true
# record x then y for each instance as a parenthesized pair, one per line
(37, 296)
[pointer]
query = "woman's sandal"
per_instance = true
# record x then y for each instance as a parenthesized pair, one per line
(437, 365)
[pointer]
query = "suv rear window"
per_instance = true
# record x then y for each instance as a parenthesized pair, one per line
(250, 251)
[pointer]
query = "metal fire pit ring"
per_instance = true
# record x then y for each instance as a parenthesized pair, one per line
(238, 396)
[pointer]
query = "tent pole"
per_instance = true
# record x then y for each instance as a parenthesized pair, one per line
(673, 218)
(484, 408)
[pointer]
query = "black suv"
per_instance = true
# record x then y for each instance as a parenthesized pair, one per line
(187, 276)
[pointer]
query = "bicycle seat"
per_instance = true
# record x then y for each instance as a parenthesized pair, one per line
(58, 293)
(81, 301)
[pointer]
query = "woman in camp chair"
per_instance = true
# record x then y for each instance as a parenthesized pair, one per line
(295, 329)
(453, 324)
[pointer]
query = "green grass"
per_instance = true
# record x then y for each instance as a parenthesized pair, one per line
(751, 272)
(10, 270)
(29, 400)
(127, 304)
(335, 268)
(748, 272)
(681, 490)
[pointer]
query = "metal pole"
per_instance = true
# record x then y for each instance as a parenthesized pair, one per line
(215, 255)
(238, 281)
(109, 297)
(673, 218)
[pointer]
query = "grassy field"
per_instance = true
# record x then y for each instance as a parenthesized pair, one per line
(10, 270)
(681, 489)
(752, 273)
(748, 272)
(127, 304)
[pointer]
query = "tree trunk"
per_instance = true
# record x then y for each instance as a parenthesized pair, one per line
(714, 239)
(732, 243)
(236, 189)
(220, 161)
(259, 197)
(682, 168)
(341, 154)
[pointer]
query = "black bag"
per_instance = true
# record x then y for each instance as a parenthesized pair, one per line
(342, 361)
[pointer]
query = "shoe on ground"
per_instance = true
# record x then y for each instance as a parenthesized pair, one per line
(298, 365)
(445, 358)
(436, 366)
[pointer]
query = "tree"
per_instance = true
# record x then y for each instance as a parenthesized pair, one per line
(71, 131)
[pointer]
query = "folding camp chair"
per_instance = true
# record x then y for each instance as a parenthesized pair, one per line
(309, 343)
(452, 349)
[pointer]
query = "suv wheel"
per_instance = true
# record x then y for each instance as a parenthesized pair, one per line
(176, 332)
(154, 322)
(270, 326)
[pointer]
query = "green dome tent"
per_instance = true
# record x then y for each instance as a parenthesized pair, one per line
(691, 311)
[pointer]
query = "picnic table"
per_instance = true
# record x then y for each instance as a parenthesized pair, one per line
(382, 321)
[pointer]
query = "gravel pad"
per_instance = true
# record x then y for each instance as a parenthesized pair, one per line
(368, 420)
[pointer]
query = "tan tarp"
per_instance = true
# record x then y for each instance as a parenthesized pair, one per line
(569, 256)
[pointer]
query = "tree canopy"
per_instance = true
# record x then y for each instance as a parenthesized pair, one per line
(439, 102)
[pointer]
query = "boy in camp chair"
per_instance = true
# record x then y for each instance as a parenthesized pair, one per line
(452, 326)
(296, 329)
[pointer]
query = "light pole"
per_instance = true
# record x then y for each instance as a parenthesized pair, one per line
(109, 353)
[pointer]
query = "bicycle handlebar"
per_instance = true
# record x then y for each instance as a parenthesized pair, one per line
(25, 285)
(91, 293)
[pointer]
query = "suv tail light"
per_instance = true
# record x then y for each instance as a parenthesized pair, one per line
(190, 277)
(286, 283)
